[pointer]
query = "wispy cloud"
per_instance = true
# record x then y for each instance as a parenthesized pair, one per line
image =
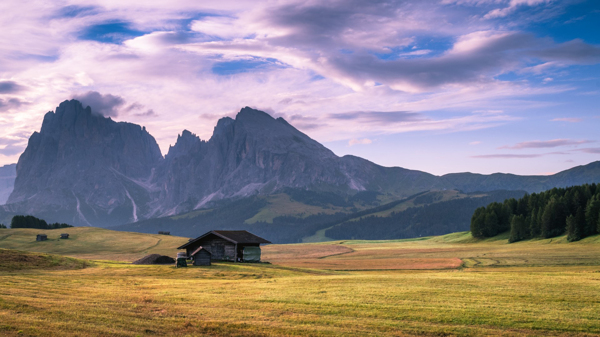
(592, 150)
(537, 144)
(512, 6)
(11, 104)
(517, 156)
(363, 141)
(507, 156)
(567, 119)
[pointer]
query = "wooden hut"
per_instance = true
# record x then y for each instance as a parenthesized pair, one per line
(64, 236)
(201, 257)
(41, 237)
(240, 246)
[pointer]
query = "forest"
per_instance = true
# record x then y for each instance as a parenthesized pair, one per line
(29, 221)
(573, 210)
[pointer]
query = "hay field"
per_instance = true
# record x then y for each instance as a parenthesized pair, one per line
(359, 288)
(91, 243)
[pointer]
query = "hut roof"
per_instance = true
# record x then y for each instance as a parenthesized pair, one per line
(238, 237)
(199, 249)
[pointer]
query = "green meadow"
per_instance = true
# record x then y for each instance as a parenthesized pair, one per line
(438, 286)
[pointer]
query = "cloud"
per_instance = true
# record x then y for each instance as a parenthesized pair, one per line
(10, 150)
(537, 144)
(513, 5)
(379, 117)
(591, 150)
(571, 52)
(11, 104)
(517, 156)
(148, 113)
(507, 156)
(477, 142)
(107, 105)
(10, 146)
(10, 87)
(567, 119)
(363, 141)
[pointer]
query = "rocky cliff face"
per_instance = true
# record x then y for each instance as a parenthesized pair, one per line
(253, 153)
(85, 169)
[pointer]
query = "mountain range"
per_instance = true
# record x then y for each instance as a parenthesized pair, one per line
(86, 169)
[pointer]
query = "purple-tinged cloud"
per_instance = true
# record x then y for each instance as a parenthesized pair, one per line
(567, 119)
(592, 150)
(10, 87)
(107, 105)
(10, 104)
(571, 52)
(537, 144)
(379, 117)
(514, 156)
(12, 145)
(148, 113)
(507, 156)
(513, 6)
(358, 141)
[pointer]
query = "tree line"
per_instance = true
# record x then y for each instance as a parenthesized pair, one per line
(573, 210)
(29, 221)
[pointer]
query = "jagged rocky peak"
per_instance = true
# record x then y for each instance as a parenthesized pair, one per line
(186, 141)
(81, 163)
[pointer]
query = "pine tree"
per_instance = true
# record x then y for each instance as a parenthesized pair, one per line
(573, 233)
(518, 229)
(591, 216)
(491, 225)
(478, 222)
(553, 218)
(534, 226)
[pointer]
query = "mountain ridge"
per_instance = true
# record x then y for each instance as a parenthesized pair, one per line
(86, 169)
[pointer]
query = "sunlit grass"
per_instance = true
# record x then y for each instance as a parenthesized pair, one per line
(539, 287)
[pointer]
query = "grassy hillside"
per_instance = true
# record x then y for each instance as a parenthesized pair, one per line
(306, 216)
(283, 205)
(13, 260)
(452, 285)
(91, 243)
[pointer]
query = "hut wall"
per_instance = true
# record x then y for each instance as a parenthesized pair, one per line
(202, 258)
(220, 249)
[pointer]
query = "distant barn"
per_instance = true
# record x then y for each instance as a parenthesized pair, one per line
(41, 237)
(240, 246)
(64, 236)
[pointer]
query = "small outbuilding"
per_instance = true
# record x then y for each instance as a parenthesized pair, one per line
(41, 237)
(238, 246)
(164, 233)
(64, 236)
(201, 257)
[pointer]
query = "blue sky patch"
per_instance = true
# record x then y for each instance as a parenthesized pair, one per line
(115, 32)
(242, 66)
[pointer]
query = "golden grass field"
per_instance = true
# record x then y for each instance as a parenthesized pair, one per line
(440, 286)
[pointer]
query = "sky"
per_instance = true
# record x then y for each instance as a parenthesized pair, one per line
(439, 86)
